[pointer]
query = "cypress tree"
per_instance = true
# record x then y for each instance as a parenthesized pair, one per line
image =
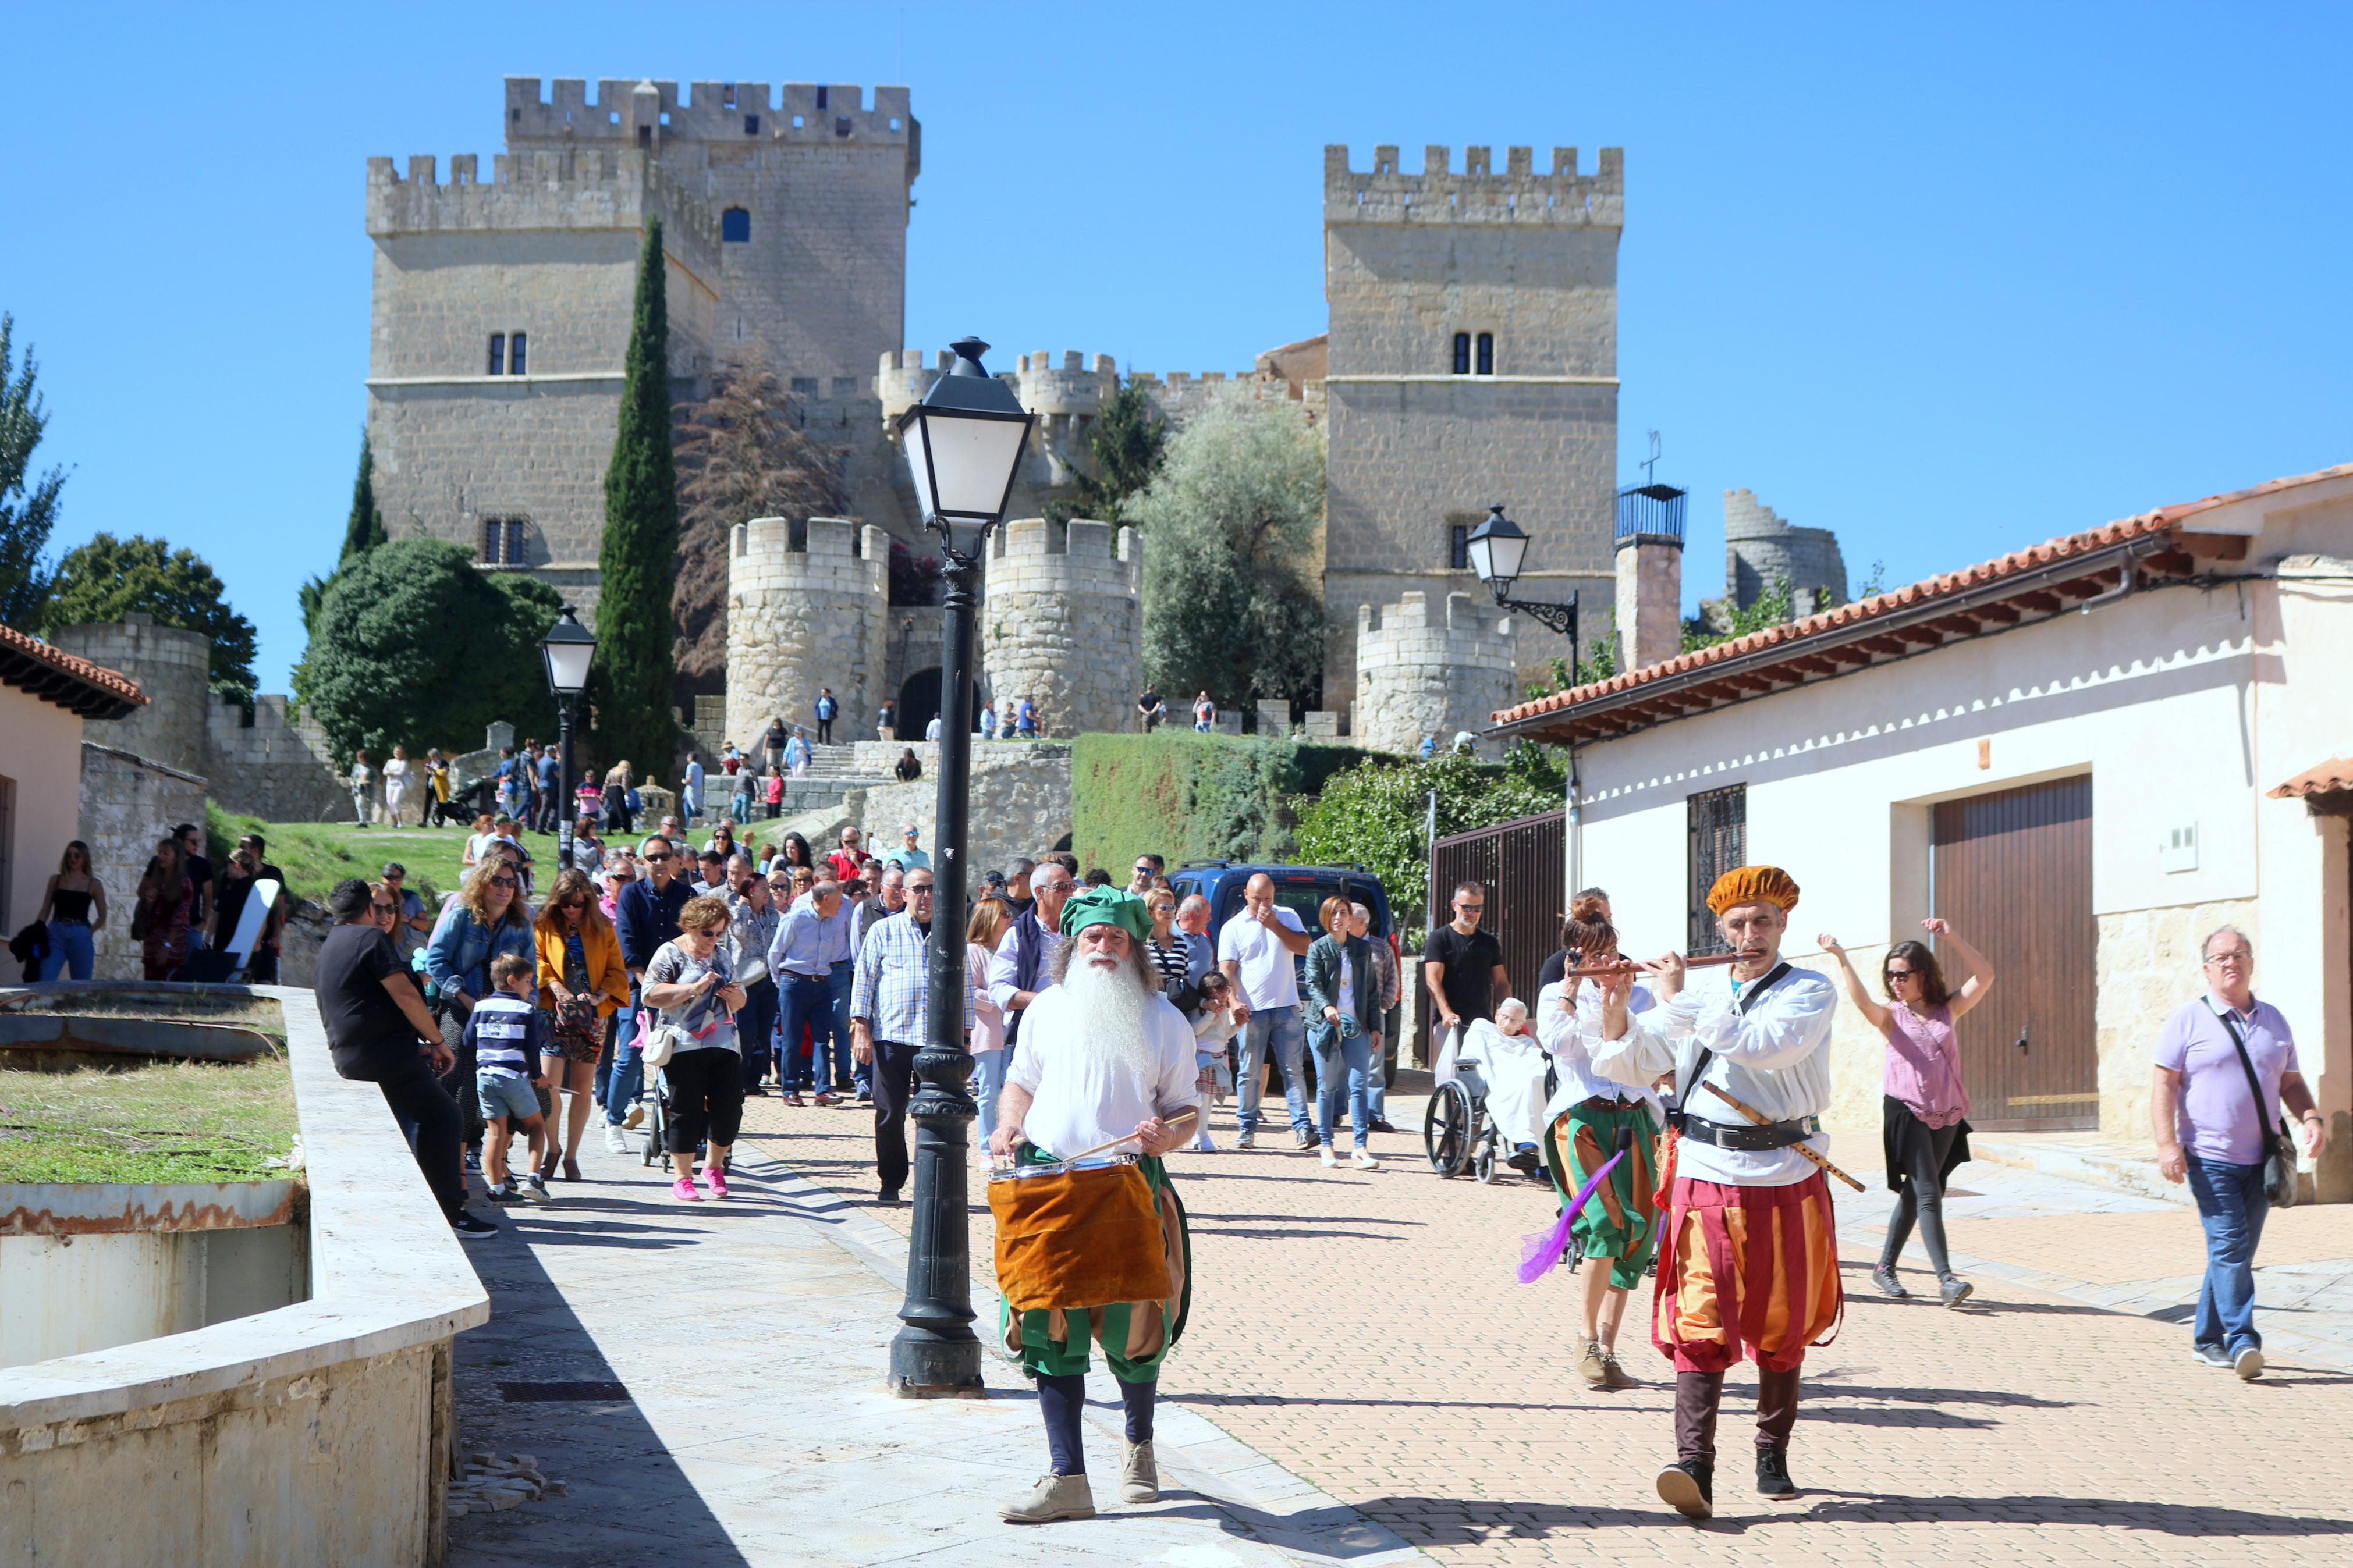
(364, 529)
(638, 557)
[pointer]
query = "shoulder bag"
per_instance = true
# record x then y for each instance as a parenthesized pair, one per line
(2278, 1144)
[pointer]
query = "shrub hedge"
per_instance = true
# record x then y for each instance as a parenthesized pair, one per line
(1192, 797)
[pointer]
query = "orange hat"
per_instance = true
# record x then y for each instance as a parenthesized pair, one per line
(1753, 885)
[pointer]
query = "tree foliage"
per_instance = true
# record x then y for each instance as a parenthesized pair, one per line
(1193, 797)
(364, 530)
(107, 578)
(1229, 522)
(413, 646)
(633, 690)
(28, 507)
(1127, 444)
(1772, 607)
(1378, 815)
(743, 452)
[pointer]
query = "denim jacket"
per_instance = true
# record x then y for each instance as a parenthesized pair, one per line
(459, 955)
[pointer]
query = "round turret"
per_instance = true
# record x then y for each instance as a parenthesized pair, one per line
(1422, 675)
(1062, 624)
(807, 607)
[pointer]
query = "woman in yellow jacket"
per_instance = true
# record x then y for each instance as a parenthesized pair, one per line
(582, 983)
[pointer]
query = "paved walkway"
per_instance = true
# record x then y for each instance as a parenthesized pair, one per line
(1363, 1330)
(707, 1381)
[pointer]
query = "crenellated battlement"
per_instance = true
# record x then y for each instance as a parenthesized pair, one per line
(1462, 618)
(1478, 193)
(736, 112)
(816, 543)
(1422, 670)
(1033, 554)
(586, 188)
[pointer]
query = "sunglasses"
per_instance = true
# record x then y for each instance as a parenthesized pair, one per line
(383, 909)
(918, 891)
(1900, 973)
(664, 855)
(506, 882)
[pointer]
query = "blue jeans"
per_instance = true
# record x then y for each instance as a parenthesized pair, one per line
(753, 1027)
(70, 944)
(1341, 1065)
(845, 975)
(1275, 1029)
(627, 1080)
(1377, 1080)
(2231, 1206)
(989, 1068)
(804, 1002)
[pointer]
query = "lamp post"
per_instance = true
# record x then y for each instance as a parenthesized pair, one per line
(1498, 547)
(963, 442)
(567, 647)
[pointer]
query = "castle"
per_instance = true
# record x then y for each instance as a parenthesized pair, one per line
(1469, 358)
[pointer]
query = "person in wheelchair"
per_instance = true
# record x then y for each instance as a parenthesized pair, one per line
(1512, 1063)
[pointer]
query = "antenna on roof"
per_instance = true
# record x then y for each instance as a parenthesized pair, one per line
(1651, 464)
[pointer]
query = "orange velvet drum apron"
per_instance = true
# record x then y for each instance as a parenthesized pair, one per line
(1747, 1272)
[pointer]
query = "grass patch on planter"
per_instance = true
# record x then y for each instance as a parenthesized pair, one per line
(154, 1121)
(315, 855)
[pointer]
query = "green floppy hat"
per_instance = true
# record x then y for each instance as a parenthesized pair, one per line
(1107, 906)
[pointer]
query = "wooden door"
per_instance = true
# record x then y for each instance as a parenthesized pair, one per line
(2012, 871)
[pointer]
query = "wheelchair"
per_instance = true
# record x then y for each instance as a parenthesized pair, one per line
(1457, 1133)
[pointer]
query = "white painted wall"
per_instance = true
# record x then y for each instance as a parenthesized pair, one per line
(40, 753)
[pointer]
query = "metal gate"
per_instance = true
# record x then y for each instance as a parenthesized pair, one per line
(1524, 866)
(2012, 871)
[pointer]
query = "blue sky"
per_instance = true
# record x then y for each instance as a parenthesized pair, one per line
(1945, 280)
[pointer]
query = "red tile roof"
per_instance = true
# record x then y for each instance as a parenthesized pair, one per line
(1845, 622)
(72, 682)
(2325, 779)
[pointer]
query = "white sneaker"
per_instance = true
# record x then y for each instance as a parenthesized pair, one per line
(1331, 1161)
(615, 1140)
(1247, 1140)
(1205, 1145)
(1363, 1160)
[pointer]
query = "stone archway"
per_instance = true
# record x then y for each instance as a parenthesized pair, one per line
(919, 700)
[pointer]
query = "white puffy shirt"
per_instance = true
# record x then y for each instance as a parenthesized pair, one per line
(1775, 1058)
(1571, 1037)
(1078, 1100)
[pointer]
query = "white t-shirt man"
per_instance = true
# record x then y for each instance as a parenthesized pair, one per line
(1270, 975)
(1082, 1100)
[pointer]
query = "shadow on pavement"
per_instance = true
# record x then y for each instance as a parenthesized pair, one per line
(1425, 1521)
(625, 1503)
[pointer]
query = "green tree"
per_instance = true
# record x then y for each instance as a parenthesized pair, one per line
(1598, 663)
(28, 509)
(413, 646)
(638, 558)
(1231, 516)
(1378, 815)
(1127, 444)
(1770, 608)
(109, 577)
(364, 530)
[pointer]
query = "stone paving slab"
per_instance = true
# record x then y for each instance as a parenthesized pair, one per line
(1363, 1332)
(752, 1337)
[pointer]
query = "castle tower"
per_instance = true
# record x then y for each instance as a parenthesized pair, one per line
(1066, 399)
(807, 607)
(1419, 674)
(1474, 343)
(172, 668)
(1062, 623)
(1759, 548)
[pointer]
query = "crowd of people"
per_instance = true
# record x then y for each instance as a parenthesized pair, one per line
(192, 920)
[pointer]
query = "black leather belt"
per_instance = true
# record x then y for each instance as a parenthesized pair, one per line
(1750, 1137)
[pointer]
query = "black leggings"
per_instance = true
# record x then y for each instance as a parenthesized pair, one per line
(706, 1098)
(1060, 1400)
(1922, 1151)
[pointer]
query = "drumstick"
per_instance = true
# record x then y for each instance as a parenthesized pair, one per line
(1710, 962)
(1762, 1120)
(1180, 1119)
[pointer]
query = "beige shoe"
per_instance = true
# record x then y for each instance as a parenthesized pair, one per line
(1054, 1497)
(1589, 1364)
(1614, 1375)
(1139, 1476)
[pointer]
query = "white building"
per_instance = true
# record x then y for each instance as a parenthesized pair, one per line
(45, 695)
(2085, 755)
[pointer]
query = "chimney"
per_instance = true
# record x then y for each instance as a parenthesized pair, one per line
(1650, 575)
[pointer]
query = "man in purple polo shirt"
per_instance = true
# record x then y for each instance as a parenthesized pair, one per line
(2212, 1131)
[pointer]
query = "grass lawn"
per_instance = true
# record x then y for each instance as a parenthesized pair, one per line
(315, 855)
(156, 1122)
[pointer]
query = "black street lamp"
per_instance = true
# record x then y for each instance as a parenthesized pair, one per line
(965, 442)
(567, 647)
(1498, 547)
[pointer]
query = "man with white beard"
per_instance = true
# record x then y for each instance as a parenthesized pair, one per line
(1102, 1057)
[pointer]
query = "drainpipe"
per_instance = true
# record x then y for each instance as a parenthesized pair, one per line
(2125, 582)
(1575, 832)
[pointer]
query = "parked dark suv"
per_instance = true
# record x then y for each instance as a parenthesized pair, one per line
(1301, 889)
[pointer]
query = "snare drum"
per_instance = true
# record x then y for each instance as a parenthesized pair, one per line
(1085, 1233)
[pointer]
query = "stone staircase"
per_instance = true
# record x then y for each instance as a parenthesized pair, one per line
(833, 773)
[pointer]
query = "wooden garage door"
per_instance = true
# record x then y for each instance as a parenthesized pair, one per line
(2012, 871)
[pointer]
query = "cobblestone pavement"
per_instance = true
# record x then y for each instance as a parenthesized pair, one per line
(1365, 1329)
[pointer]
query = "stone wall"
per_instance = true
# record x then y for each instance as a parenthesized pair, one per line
(170, 665)
(1650, 601)
(1421, 674)
(2147, 964)
(1759, 547)
(1062, 624)
(128, 805)
(1020, 803)
(807, 606)
(277, 767)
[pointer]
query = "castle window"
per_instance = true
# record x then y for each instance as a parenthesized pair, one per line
(1458, 547)
(727, 96)
(841, 125)
(1463, 354)
(796, 122)
(844, 386)
(751, 125)
(514, 542)
(492, 536)
(645, 136)
(820, 98)
(735, 225)
(804, 386)
(502, 540)
(498, 354)
(515, 354)
(1486, 353)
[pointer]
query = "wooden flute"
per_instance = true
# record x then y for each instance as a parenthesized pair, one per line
(1709, 962)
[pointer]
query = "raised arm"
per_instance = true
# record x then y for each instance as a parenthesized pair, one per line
(1855, 990)
(1980, 980)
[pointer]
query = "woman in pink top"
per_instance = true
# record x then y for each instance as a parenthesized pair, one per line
(982, 933)
(1925, 1113)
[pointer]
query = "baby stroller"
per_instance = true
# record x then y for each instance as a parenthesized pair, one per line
(659, 1109)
